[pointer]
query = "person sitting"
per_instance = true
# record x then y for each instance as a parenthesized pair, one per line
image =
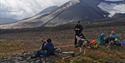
(114, 36)
(46, 50)
(101, 39)
(113, 39)
(43, 45)
(50, 47)
(41, 51)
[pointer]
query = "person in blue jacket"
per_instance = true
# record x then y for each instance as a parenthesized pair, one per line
(46, 50)
(114, 36)
(113, 39)
(49, 47)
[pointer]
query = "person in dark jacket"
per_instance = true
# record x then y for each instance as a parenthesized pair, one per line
(46, 50)
(78, 29)
(50, 47)
(113, 39)
(114, 36)
(81, 42)
(42, 51)
(80, 39)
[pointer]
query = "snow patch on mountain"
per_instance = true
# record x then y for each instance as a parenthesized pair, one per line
(112, 8)
(114, 0)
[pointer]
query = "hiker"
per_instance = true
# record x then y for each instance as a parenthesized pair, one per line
(101, 39)
(46, 50)
(78, 29)
(114, 36)
(42, 51)
(50, 47)
(81, 41)
(112, 40)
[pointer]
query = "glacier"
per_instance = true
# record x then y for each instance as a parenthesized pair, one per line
(20, 9)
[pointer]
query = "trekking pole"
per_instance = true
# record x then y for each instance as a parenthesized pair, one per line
(80, 49)
(84, 51)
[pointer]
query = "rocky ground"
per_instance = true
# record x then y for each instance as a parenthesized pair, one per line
(99, 55)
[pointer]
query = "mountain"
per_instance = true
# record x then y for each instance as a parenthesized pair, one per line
(6, 20)
(71, 11)
(37, 20)
(82, 11)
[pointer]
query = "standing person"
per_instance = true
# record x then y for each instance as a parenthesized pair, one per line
(81, 41)
(78, 29)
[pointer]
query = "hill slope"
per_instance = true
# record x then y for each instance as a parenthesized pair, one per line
(74, 10)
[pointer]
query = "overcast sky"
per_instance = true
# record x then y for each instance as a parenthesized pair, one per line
(19, 9)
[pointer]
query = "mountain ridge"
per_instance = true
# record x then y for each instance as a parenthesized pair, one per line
(72, 11)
